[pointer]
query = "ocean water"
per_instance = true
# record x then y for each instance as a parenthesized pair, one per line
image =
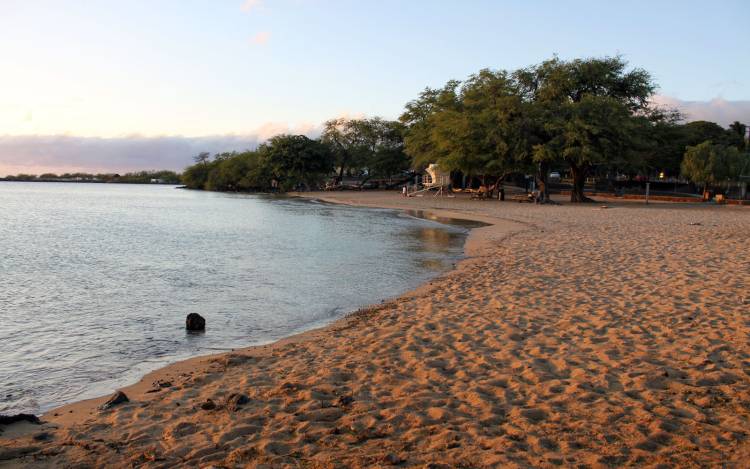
(96, 279)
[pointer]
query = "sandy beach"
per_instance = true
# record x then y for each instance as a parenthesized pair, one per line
(571, 336)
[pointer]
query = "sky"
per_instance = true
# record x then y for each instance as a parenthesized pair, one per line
(145, 84)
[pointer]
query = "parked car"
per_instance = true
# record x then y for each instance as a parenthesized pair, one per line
(554, 176)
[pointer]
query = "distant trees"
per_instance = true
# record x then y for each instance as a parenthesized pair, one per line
(202, 158)
(230, 172)
(738, 130)
(143, 177)
(580, 113)
(591, 116)
(365, 148)
(285, 162)
(295, 161)
(196, 176)
(21, 177)
(139, 177)
(710, 164)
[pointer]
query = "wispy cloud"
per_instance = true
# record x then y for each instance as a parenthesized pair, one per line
(717, 110)
(260, 38)
(250, 5)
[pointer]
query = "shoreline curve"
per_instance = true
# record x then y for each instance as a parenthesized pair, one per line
(73, 412)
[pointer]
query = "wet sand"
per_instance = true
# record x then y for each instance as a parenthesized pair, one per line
(572, 336)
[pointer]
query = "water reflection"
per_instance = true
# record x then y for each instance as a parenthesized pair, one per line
(426, 215)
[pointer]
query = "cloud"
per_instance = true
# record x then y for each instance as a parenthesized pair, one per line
(250, 5)
(261, 38)
(64, 153)
(717, 110)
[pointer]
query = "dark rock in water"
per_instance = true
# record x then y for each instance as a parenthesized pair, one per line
(117, 398)
(208, 405)
(9, 419)
(195, 322)
(235, 401)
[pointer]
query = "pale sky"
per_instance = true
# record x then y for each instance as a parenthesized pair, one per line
(116, 84)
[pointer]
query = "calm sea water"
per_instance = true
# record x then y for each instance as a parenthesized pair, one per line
(96, 279)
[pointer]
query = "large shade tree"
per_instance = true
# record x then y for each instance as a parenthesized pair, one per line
(595, 110)
(421, 119)
(492, 133)
(481, 127)
(583, 113)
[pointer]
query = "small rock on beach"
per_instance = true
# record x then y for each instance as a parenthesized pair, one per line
(117, 398)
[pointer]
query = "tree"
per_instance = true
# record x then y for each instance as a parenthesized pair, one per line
(230, 172)
(709, 164)
(420, 119)
(491, 133)
(202, 158)
(384, 154)
(337, 135)
(196, 176)
(595, 131)
(585, 113)
(738, 131)
(368, 147)
(295, 160)
(574, 97)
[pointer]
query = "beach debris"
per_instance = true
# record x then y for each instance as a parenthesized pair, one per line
(158, 385)
(13, 453)
(42, 436)
(604, 207)
(235, 401)
(345, 400)
(695, 223)
(9, 419)
(195, 322)
(393, 459)
(117, 398)
(746, 300)
(208, 405)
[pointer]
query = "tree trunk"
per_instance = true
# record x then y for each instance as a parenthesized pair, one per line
(579, 181)
(362, 183)
(542, 182)
(341, 173)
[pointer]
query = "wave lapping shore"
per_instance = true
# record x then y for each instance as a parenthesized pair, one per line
(574, 335)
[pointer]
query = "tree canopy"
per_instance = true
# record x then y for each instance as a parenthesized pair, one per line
(581, 113)
(714, 164)
(366, 148)
(285, 162)
(588, 116)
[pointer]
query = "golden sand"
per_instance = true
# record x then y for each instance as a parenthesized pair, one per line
(573, 336)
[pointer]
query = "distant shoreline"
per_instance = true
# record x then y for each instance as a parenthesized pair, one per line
(96, 182)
